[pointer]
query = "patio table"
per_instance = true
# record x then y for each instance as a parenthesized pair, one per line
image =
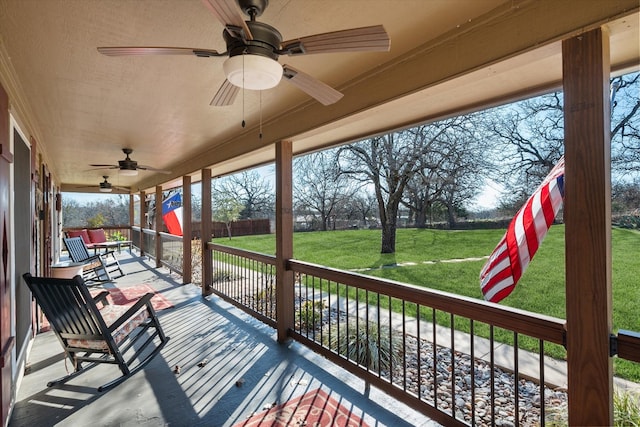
(117, 244)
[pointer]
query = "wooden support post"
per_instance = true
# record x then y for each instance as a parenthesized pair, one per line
(205, 234)
(131, 214)
(143, 221)
(587, 215)
(158, 227)
(186, 229)
(284, 240)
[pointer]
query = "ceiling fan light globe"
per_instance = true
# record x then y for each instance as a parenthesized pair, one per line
(252, 72)
(128, 172)
(105, 189)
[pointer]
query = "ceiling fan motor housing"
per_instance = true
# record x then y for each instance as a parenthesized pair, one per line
(128, 164)
(266, 41)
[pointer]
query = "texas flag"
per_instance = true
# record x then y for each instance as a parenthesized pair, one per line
(172, 214)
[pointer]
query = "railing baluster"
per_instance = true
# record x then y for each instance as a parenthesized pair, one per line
(378, 332)
(347, 313)
(404, 347)
(357, 319)
(434, 324)
(541, 383)
(338, 319)
(516, 381)
(473, 371)
(492, 376)
(313, 308)
(453, 365)
(391, 366)
(419, 351)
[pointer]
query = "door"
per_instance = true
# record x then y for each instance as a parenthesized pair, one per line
(7, 341)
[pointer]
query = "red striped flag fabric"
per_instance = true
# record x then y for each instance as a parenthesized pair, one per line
(524, 235)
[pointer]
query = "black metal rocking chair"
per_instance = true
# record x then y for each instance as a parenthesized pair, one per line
(97, 335)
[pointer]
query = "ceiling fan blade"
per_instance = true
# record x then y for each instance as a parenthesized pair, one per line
(374, 38)
(149, 50)
(322, 92)
(228, 12)
(101, 167)
(149, 168)
(225, 95)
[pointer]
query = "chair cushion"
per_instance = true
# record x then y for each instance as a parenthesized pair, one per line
(80, 233)
(111, 313)
(97, 236)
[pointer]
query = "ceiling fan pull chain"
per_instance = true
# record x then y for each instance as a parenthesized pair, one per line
(260, 115)
(243, 122)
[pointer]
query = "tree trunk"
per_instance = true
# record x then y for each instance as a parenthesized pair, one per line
(421, 218)
(388, 238)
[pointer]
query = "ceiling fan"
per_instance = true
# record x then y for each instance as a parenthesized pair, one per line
(253, 49)
(129, 167)
(105, 186)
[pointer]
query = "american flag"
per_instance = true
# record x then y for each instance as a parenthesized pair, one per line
(523, 237)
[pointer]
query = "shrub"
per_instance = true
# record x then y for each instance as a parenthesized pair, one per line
(626, 409)
(117, 236)
(309, 315)
(221, 275)
(265, 300)
(370, 346)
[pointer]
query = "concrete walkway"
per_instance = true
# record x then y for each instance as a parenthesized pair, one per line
(555, 374)
(555, 371)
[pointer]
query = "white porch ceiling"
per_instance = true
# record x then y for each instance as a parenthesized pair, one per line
(446, 56)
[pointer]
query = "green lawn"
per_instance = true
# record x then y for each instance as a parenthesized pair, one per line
(540, 290)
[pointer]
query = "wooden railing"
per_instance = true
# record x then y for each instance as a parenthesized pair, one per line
(171, 252)
(149, 245)
(458, 360)
(245, 279)
(171, 249)
(135, 236)
(627, 345)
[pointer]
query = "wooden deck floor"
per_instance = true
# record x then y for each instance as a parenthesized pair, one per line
(246, 372)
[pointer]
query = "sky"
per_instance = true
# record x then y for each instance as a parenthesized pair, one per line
(487, 199)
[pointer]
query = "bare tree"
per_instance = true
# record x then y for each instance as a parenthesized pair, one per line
(529, 140)
(625, 198)
(625, 123)
(253, 191)
(450, 174)
(320, 188)
(389, 162)
(111, 212)
(363, 206)
(529, 137)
